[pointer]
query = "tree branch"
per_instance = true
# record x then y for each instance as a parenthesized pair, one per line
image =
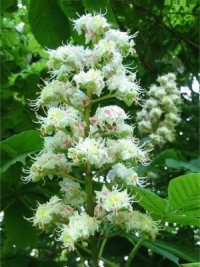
(177, 34)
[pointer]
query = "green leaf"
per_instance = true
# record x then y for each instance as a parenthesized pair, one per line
(150, 201)
(6, 4)
(188, 253)
(49, 25)
(102, 6)
(168, 153)
(184, 200)
(18, 147)
(71, 8)
(153, 246)
(196, 264)
(18, 229)
(182, 205)
(183, 219)
(193, 165)
(183, 192)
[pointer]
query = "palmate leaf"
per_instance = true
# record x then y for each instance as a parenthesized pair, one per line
(18, 147)
(150, 201)
(182, 205)
(48, 23)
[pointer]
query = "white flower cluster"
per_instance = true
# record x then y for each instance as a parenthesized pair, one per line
(91, 80)
(52, 211)
(89, 150)
(72, 193)
(66, 59)
(80, 226)
(60, 118)
(94, 68)
(55, 92)
(127, 149)
(160, 113)
(80, 139)
(113, 200)
(123, 174)
(99, 152)
(58, 142)
(47, 164)
(135, 221)
(92, 26)
(111, 119)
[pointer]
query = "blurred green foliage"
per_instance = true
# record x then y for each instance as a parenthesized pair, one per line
(167, 41)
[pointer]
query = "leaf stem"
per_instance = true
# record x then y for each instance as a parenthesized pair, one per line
(134, 251)
(103, 98)
(89, 187)
(102, 247)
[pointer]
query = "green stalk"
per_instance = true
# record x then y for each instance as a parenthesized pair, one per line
(102, 247)
(134, 251)
(89, 189)
(99, 99)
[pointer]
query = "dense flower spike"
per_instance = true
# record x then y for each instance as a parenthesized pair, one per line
(82, 138)
(160, 113)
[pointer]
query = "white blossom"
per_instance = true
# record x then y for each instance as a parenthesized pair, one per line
(160, 113)
(89, 150)
(125, 175)
(56, 92)
(80, 226)
(47, 164)
(60, 141)
(135, 221)
(47, 212)
(59, 118)
(72, 192)
(126, 149)
(93, 26)
(126, 87)
(109, 116)
(123, 40)
(91, 80)
(70, 56)
(105, 49)
(113, 200)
